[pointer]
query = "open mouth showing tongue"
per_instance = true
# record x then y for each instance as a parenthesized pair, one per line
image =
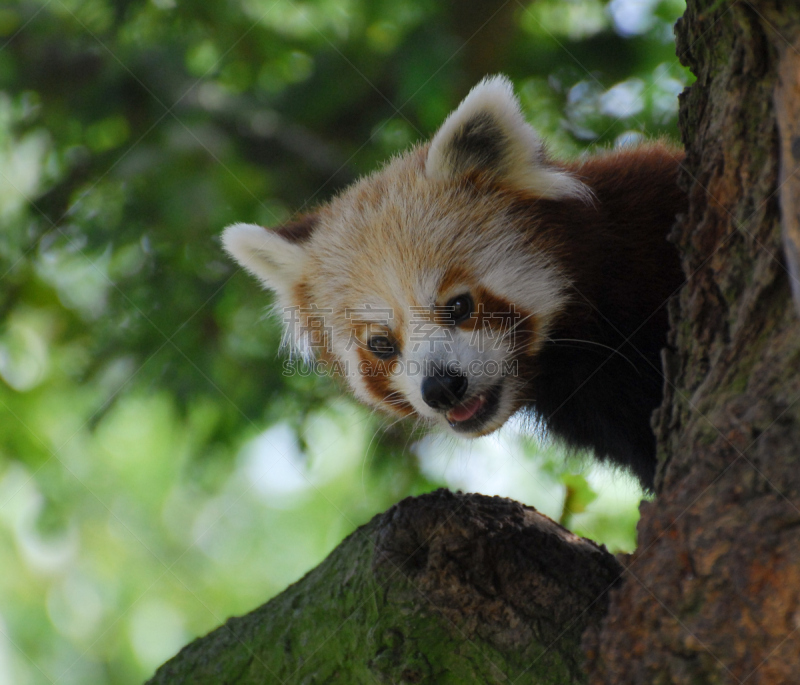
(464, 412)
(471, 416)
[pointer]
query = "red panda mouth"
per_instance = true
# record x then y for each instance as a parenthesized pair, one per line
(469, 416)
(464, 412)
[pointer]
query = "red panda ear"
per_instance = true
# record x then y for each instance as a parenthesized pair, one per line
(274, 256)
(488, 134)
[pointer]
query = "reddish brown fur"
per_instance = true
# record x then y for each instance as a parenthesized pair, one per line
(377, 375)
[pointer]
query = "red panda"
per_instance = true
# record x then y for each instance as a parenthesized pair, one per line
(474, 277)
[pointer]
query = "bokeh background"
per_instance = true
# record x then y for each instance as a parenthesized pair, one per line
(158, 470)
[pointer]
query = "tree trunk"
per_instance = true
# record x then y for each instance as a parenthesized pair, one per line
(712, 594)
(469, 589)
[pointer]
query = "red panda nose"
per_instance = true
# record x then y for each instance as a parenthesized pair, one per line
(444, 390)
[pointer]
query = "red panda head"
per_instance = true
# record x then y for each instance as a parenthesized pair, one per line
(423, 283)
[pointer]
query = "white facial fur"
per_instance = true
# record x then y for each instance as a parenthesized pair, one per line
(391, 239)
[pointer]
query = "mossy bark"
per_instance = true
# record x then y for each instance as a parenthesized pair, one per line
(443, 588)
(712, 594)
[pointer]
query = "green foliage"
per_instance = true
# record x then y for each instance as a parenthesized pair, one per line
(158, 470)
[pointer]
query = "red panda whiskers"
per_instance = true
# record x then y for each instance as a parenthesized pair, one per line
(592, 342)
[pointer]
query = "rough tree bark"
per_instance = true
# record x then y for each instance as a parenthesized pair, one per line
(467, 589)
(430, 592)
(712, 594)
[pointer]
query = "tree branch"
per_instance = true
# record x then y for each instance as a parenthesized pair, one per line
(440, 588)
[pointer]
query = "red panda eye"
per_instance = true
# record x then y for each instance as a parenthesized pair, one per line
(381, 347)
(459, 308)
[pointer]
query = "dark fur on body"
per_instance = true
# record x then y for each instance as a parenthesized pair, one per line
(598, 378)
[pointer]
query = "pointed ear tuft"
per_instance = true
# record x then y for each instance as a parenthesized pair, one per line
(275, 257)
(487, 134)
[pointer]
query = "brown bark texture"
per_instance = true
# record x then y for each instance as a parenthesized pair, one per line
(712, 594)
(787, 111)
(444, 588)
